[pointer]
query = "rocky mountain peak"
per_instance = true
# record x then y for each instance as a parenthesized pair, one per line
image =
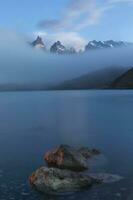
(38, 43)
(57, 47)
(104, 44)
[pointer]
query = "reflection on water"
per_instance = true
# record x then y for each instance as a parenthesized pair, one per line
(32, 122)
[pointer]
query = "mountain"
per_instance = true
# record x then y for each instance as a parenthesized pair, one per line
(92, 45)
(111, 78)
(38, 43)
(58, 48)
(125, 81)
(99, 79)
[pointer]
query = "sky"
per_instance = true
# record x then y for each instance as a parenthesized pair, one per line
(73, 22)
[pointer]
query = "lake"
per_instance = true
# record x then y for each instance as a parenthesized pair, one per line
(33, 122)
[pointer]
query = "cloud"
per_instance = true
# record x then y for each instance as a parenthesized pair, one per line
(121, 1)
(51, 24)
(69, 39)
(78, 15)
(23, 67)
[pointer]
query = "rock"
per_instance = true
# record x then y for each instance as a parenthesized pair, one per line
(106, 178)
(93, 45)
(88, 153)
(57, 47)
(66, 157)
(57, 181)
(38, 43)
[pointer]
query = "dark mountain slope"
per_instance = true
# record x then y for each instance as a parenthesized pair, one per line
(125, 81)
(94, 80)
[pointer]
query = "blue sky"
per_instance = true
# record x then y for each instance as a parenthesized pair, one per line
(74, 22)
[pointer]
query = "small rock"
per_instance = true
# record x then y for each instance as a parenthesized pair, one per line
(66, 157)
(57, 181)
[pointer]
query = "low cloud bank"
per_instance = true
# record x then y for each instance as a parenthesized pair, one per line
(20, 64)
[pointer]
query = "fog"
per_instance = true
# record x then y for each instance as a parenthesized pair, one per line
(21, 64)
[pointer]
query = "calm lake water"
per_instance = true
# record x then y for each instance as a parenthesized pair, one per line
(33, 122)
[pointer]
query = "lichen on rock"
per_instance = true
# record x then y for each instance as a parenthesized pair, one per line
(57, 181)
(66, 157)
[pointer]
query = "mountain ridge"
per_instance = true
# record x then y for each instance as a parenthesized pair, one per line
(100, 79)
(59, 48)
(125, 81)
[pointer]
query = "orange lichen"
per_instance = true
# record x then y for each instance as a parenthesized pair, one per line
(33, 178)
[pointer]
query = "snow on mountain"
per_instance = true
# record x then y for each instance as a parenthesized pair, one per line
(59, 48)
(105, 44)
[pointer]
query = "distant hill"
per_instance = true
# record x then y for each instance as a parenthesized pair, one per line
(99, 79)
(125, 81)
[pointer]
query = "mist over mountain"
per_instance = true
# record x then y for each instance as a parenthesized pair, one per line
(22, 67)
(99, 79)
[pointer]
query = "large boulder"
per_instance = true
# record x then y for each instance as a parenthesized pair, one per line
(57, 181)
(66, 157)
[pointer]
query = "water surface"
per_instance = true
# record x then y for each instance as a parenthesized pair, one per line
(33, 122)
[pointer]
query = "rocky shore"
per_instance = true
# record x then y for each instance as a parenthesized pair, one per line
(65, 171)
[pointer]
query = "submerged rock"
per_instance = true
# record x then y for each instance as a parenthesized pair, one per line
(66, 157)
(88, 153)
(57, 181)
(106, 178)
